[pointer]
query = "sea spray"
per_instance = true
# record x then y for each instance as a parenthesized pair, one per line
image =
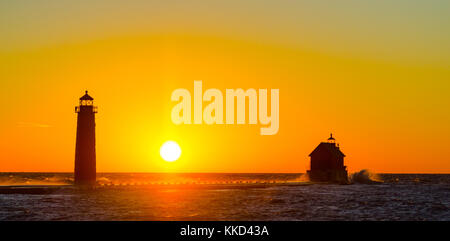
(365, 177)
(301, 178)
(20, 179)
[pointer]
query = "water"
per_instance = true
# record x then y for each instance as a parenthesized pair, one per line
(127, 196)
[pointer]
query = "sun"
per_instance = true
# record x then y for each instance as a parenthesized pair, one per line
(170, 151)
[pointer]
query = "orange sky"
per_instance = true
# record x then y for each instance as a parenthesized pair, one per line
(383, 91)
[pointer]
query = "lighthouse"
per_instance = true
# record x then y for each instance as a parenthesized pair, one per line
(85, 163)
(327, 163)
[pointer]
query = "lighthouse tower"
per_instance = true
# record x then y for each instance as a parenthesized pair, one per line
(85, 163)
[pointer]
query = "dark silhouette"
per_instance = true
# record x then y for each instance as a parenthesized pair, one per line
(327, 163)
(85, 163)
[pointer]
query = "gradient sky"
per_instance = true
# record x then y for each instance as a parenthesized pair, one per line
(376, 74)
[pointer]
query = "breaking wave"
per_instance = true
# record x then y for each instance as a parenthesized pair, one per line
(302, 178)
(34, 179)
(365, 177)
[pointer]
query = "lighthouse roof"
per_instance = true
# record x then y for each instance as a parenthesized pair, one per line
(328, 147)
(86, 97)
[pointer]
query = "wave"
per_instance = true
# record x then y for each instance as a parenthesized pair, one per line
(365, 177)
(14, 180)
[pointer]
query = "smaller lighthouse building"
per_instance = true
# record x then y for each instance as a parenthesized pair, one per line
(327, 163)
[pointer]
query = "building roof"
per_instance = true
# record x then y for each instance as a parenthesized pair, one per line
(328, 147)
(86, 97)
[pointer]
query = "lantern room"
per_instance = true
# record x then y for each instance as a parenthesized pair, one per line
(86, 101)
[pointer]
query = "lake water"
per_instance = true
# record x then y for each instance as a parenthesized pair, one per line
(152, 196)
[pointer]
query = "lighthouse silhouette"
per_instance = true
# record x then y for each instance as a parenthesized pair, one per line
(85, 161)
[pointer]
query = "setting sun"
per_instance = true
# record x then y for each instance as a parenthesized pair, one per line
(170, 151)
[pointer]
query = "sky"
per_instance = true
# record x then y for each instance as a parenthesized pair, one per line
(374, 73)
